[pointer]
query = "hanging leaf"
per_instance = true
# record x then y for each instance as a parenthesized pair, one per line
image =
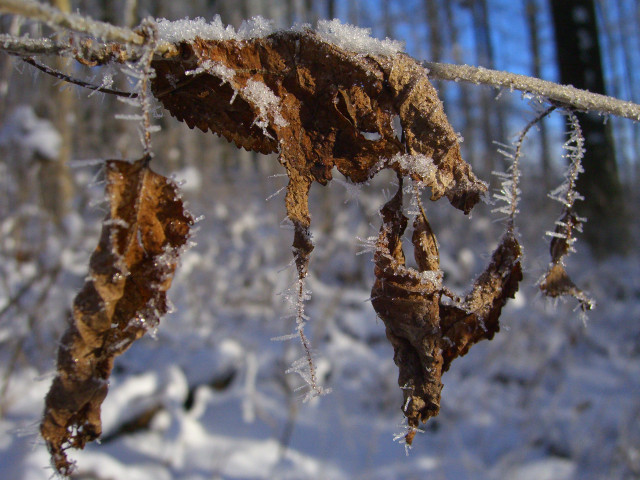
(318, 106)
(427, 334)
(124, 296)
(556, 281)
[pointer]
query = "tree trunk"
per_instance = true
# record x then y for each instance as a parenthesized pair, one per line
(464, 107)
(532, 10)
(493, 121)
(331, 9)
(579, 61)
(436, 48)
(56, 182)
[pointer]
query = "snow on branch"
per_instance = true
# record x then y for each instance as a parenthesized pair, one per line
(559, 95)
(510, 185)
(70, 21)
(32, 46)
(562, 95)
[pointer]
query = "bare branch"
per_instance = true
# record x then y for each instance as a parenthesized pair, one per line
(562, 95)
(77, 23)
(25, 46)
(75, 81)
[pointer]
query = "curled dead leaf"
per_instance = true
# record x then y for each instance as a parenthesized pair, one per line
(124, 296)
(556, 281)
(426, 333)
(318, 106)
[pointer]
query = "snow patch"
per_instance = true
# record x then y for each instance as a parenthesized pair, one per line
(33, 135)
(188, 29)
(356, 39)
(267, 102)
(419, 165)
(347, 37)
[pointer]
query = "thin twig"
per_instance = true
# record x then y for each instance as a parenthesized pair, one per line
(147, 72)
(516, 167)
(25, 46)
(75, 81)
(69, 21)
(562, 95)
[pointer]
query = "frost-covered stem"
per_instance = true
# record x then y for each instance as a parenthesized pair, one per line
(576, 155)
(567, 193)
(515, 167)
(70, 21)
(302, 247)
(25, 46)
(556, 282)
(151, 34)
(300, 315)
(75, 81)
(563, 95)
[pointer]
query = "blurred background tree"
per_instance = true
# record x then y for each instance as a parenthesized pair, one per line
(516, 36)
(580, 64)
(48, 227)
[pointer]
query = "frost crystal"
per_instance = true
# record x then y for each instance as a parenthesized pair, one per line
(256, 27)
(217, 69)
(419, 165)
(356, 39)
(266, 101)
(188, 29)
(348, 37)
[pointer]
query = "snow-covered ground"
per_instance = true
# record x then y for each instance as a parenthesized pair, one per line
(548, 398)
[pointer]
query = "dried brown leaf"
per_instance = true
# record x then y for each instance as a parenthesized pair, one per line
(426, 333)
(319, 107)
(477, 318)
(333, 108)
(124, 296)
(556, 281)
(409, 306)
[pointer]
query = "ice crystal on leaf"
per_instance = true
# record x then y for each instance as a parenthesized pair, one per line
(124, 296)
(188, 29)
(356, 39)
(556, 281)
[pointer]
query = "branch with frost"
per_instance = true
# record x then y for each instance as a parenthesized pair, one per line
(70, 21)
(561, 95)
(510, 185)
(26, 46)
(75, 81)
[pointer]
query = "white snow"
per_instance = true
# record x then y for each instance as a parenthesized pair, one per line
(33, 136)
(356, 39)
(419, 165)
(345, 36)
(267, 102)
(188, 29)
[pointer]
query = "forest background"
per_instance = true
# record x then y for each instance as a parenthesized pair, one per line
(550, 397)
